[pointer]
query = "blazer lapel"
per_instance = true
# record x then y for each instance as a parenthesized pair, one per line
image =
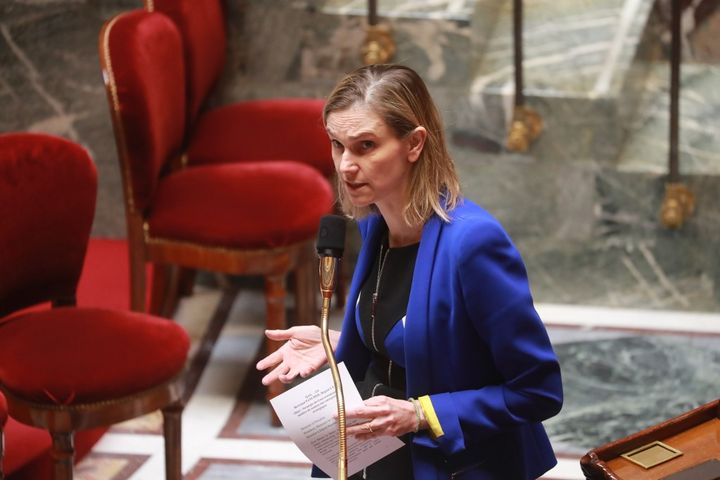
(417, 327)
(370, 245)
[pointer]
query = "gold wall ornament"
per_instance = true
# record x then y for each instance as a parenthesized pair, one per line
(526, 127)
(379, 45)
(678, 204)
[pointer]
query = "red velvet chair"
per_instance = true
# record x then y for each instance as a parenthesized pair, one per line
(70, 368)
(252, 130)
(241, 218)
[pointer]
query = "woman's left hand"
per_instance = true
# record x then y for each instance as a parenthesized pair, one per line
(384, 416)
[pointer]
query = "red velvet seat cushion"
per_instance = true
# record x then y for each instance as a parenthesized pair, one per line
(272, 129)
(75, 355)
(241, 205)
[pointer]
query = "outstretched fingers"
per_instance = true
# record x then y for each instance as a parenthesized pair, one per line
(280, 335)
(277, 373)
(270, 361)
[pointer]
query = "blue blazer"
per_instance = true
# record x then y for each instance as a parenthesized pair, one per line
(475, 344)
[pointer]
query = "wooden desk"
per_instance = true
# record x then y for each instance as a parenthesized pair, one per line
(696, 434)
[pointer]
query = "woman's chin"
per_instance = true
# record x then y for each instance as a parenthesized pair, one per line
(359, 204)
(358, 201)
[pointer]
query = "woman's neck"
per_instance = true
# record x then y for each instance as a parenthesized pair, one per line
(400, 234)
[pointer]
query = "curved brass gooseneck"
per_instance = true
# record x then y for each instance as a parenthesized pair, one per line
(328, 267)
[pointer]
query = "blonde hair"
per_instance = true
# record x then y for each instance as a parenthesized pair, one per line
(398, 95)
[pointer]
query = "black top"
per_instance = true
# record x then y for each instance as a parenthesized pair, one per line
(389, 283)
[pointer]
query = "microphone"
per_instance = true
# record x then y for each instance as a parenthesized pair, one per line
(330, 246)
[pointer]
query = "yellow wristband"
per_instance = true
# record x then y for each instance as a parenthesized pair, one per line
(431, 417)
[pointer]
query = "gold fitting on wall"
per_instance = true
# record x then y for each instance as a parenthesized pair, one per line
(379, 46)
(526, 126)
(678, 204)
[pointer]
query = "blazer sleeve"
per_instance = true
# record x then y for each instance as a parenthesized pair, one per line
(495, 297)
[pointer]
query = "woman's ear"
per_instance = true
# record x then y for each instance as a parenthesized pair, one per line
(416, 142)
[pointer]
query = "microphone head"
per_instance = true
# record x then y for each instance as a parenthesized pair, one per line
(331, 236)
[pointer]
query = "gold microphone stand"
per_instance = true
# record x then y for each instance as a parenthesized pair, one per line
(327, 268)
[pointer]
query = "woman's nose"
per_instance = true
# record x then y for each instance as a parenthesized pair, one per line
(347, 162)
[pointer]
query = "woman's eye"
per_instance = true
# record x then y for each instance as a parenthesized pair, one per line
(367, 145)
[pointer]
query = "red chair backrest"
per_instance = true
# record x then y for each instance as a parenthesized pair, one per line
(202, 26)
(297, 132)
(142, 60)
(48, 187)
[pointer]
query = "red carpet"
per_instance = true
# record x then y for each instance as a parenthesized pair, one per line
(104, 283)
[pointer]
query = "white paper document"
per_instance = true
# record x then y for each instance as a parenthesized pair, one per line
(306, 411)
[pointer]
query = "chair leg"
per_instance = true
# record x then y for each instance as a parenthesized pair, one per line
(160, 288)
(137, 280)
(170, 283)
(306, 285)
(63, 455)
(275, 308)
(172, 430)
(186, 283)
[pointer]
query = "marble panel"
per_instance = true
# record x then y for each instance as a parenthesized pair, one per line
(648, 134)
(50, 82)
(626, 273)
(629, 204)
(319, 45)
(530, 197)
(591, 235)
(586, 116)
(617, 386)
(569, 46)
(575, 129)
(628, 259)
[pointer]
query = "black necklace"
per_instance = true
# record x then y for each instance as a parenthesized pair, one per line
(381, 264)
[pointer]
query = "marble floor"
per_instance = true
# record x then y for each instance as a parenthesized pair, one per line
(623, 370)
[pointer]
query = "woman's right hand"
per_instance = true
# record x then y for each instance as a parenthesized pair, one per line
(301, 354)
